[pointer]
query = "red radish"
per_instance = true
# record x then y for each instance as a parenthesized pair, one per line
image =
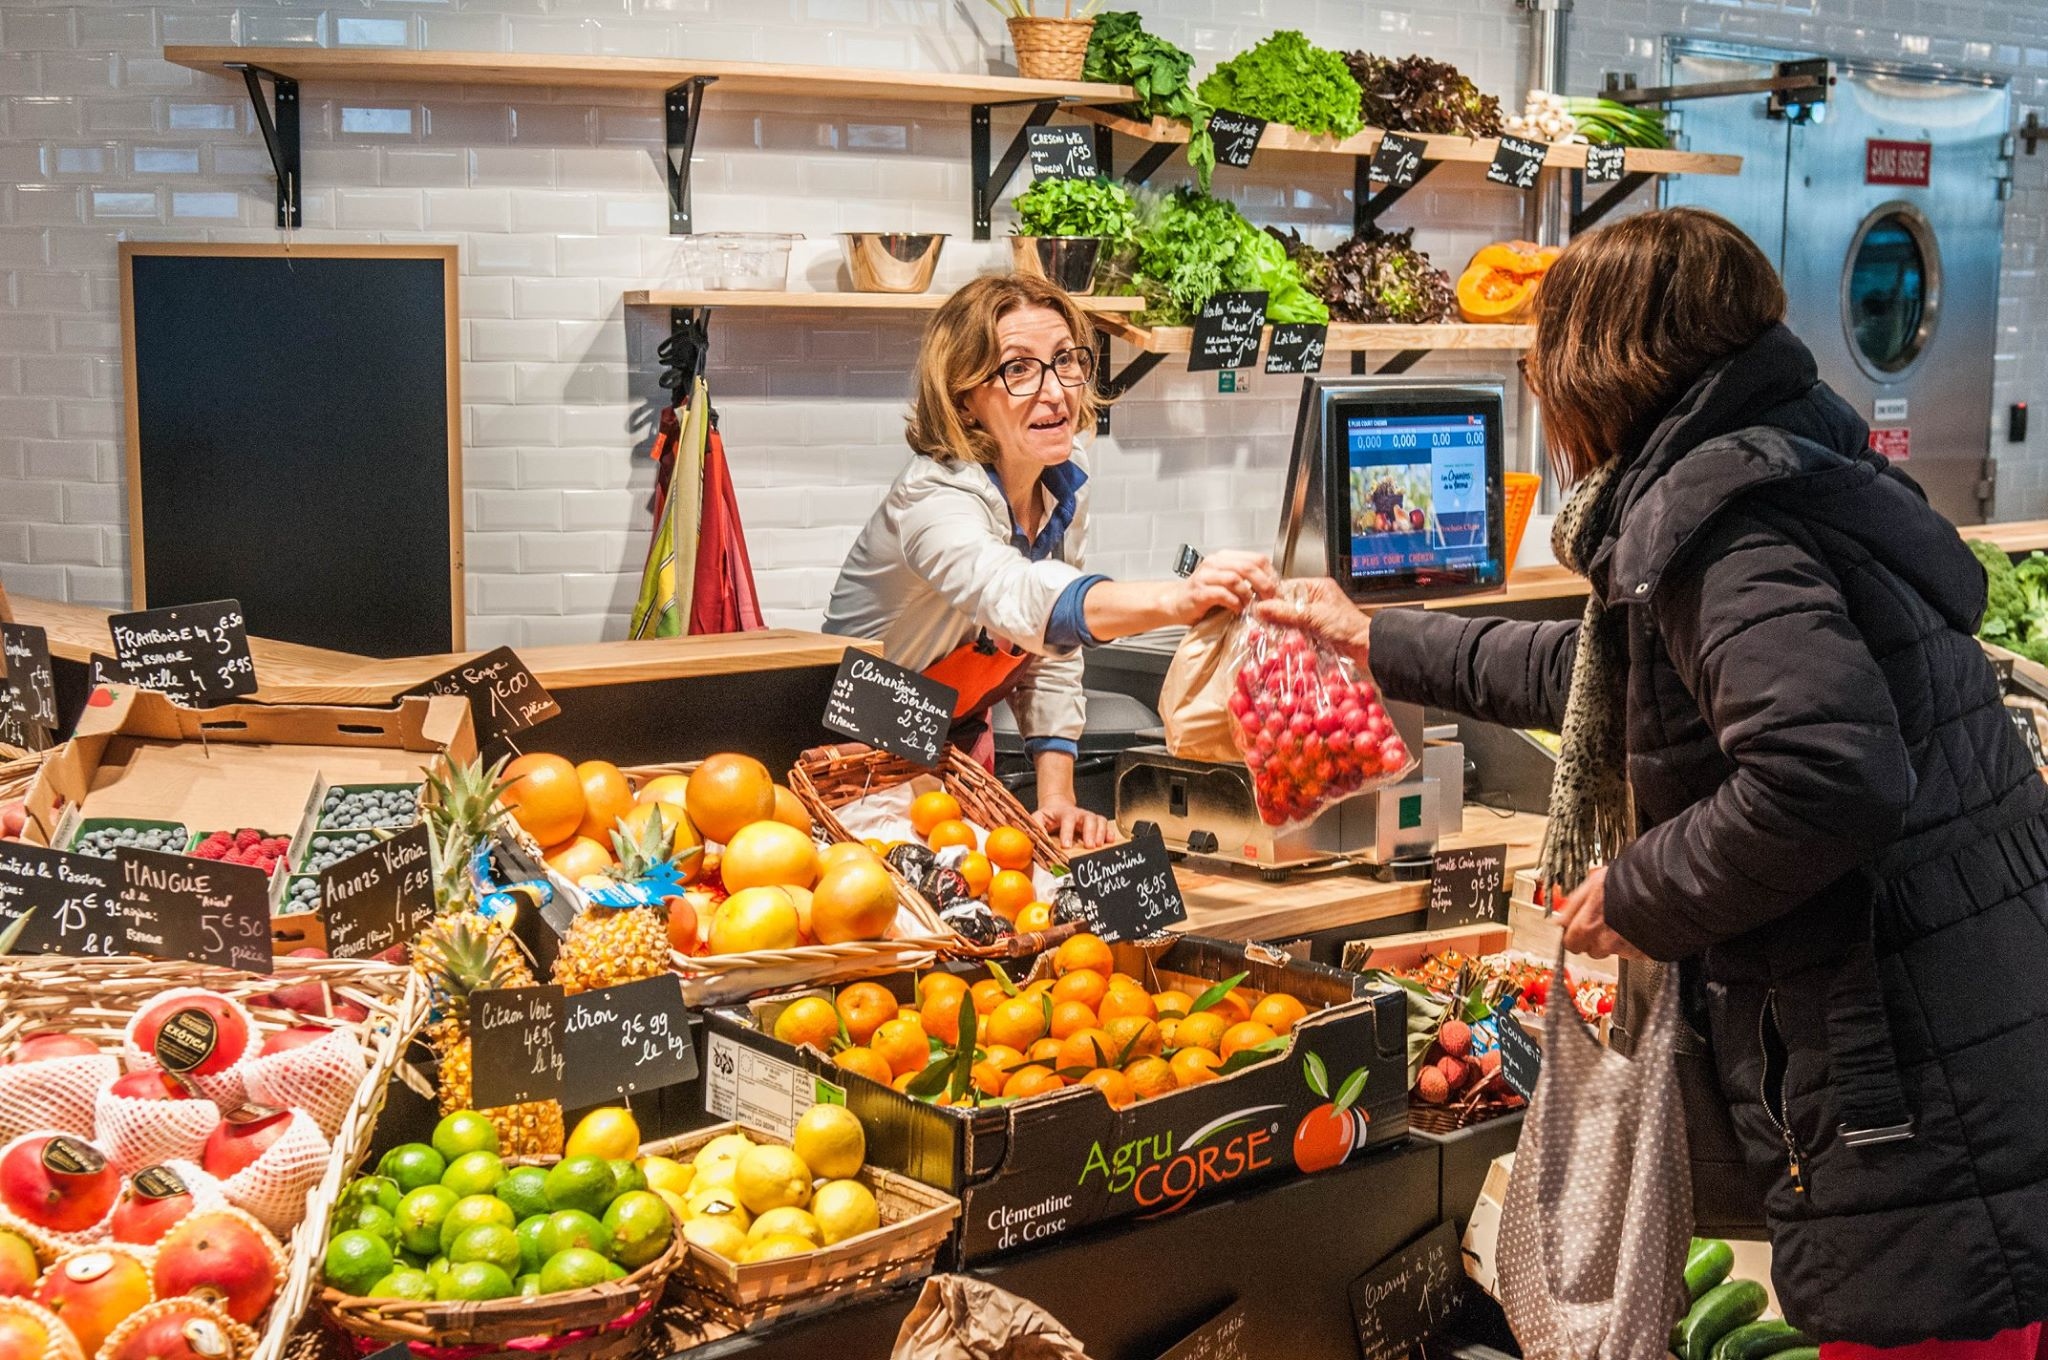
(58, 1183)
(296, 1036)
(232, 1145)
(51, 1044)
(223, 1257)
(153, 1203)
(149, 1084)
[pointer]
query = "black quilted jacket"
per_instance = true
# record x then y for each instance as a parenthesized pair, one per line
(1842, 835)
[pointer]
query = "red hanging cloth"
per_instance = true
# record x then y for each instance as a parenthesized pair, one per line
(724, 600)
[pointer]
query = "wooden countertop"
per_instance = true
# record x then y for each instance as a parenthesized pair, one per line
(1244, 907)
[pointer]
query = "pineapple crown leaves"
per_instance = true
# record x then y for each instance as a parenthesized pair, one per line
(13, 932)
(466, 796)
(462, 956)
(646, 868)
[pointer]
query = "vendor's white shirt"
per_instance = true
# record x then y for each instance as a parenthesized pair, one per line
(936, 564)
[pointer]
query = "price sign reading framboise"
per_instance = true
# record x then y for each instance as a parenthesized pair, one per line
(196, 653)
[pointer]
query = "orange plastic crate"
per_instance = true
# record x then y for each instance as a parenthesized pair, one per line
(1520, 494)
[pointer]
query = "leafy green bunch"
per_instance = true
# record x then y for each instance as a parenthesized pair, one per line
(1121, 52)
(2016, 602)
(1080, 207)
(1192, 246)
(1288, 79)
(1376, 276)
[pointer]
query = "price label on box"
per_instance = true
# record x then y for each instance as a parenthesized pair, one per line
(745, 1087)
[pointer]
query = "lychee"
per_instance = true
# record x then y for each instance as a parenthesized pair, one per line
(1453, 1070)
(1456, 1038)
(1433, 1089)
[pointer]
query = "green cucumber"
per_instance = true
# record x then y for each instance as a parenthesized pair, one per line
(1706, 1265)
(1718, 1312)
(1757, 1340)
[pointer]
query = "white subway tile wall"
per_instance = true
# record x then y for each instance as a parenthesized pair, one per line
(557, 200)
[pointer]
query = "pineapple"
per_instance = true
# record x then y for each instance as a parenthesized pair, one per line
(460, 954)
(466, 799)
(608, 945)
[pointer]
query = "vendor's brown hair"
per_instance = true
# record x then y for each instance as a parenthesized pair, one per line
(1630, 316)
(961, 352)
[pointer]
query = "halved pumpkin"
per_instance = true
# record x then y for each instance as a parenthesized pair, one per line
(1500, 284)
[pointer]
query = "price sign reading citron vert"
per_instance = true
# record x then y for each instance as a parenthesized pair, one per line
(884, 705)
(516, 1045)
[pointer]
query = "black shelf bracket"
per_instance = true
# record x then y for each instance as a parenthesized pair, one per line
(684, 354)
(1584, 215)
(1366, 206)
(1402, 361)
(1143, 168)
(991, 176)
(684, 106)
(1111, 383)
(280, 136)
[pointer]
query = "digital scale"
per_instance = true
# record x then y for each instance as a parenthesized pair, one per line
(1395, 492)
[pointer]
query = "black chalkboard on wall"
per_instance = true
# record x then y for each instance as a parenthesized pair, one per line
(293, 432)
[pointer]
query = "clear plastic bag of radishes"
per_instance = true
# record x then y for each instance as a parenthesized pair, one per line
(1310, 724)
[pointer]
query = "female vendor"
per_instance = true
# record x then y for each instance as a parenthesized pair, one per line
(971, 569)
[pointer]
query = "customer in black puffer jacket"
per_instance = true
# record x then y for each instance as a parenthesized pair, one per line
(1836, 828)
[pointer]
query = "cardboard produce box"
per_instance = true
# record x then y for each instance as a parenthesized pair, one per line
(1030, 1171)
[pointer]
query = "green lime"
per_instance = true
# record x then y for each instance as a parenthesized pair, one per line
(437, 1270)
(420, 1215)
(528, 1285)
(525, 1189)
(473, 1211)
(492, 1242)
(576, 1268)
(641, 1228)
(404, 1283)
(474, 1282)
(413, 1165)
(574, 1228)
(465, 1131)
(627, 1176)
(381, 1191)
(614, 1271)
(474, 1173)
(356, 1260)
(529, 1234)
(580, 1183)
(414, 1260)
(369, 1218)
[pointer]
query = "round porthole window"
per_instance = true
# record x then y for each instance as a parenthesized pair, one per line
(1891, 290)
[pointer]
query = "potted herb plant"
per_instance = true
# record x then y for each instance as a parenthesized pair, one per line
(1049, 47)
(1073, 230)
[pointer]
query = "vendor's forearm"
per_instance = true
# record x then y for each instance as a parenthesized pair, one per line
(1055, 777)
(1117, 609)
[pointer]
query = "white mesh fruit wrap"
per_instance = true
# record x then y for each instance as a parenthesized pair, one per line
(63, 1345)
(136, 1132)
(54, 1093)
(320, 1078)
(275, 1185)
(48, 1242)
(236, 1341)
(225, 1089)
(207, 1193)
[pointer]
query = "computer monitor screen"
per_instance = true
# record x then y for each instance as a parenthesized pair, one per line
(1418, 495)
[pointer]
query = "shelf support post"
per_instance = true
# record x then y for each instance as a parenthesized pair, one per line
(280, 136)
(684, 108)
(1156, 155)
(1585, 216)
(1401, 362)
(1367, 205)
(990, 179)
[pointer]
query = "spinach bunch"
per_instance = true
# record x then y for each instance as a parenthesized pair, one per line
(1121, 52)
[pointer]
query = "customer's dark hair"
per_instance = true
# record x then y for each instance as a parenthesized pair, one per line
(1630, 316)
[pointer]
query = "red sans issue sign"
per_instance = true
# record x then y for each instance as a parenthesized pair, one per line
(1905, 163)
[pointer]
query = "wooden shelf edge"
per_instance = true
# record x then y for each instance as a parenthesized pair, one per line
(853, 302)
(1452, 335)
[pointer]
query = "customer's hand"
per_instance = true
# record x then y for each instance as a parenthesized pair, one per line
(1322, 610)
(1224, 580)
(1584, 918)
(1075, 826)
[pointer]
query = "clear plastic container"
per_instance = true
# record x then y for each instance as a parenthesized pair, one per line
(754, 261)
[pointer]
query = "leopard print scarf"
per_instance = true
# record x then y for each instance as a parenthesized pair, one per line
(1591, 813)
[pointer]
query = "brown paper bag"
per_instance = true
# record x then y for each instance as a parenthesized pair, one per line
(1193, 699)
(958, 1317)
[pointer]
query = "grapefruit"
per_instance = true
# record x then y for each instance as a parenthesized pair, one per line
(754, 918)
(727, 792)
(856, 901)
(663, 788)
(545, 796)
(580, 858)
(606, 798)
(769, 854)
(790, 811)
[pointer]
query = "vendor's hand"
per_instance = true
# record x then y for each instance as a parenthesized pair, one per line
(1224, 580)
(1584, 918)
(1321, 609)
(1074, 826)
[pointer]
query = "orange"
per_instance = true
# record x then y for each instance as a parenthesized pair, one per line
(1245, 1034)
(975, 868)
(769, 854)
(682, 837)
(1009, 848)
(579, 859)
(938, 983)
(1018, 1023)
(927, 810)
(606, 798)
(903, 1045)
(1193, 1066)
(1172, 999)
(876, 846)
(1037, 916)
(1046, 1050)
(989, 1078)
(1126, 980)
(1127, 1001)
(864, 1007)
(790, 810)
(846, 852)
(1233, 1008)
(808, 1020)
(941, 1013)
(1032, 1081)
(855, 901)
(988, 994)
(1003, 1056)
(1009, 893)
(867, 1062)
(1137, 1034)
(950, 833)
(727, 792)
(663, 788)
(910, 1013)
(1203, 1030)
(1151, 1077)
(1086, 987)
(1071, 1017)
(1279, 1012)
(1169, 1033)
(1083, 951)
(1115, 1087)
(545, 796)
(1086, 1048)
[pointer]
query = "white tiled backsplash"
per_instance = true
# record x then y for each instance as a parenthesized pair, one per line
(557, 200)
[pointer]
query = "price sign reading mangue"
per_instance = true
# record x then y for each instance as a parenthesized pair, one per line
(1129, 890)
(196, 653)
(884, 705)
(73, 902)
(177, 907)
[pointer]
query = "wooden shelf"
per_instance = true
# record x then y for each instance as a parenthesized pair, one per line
(843, 302)
(1342, 337)
(636, 73)
(1473, 151)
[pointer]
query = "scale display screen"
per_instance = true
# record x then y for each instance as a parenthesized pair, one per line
(1418, 502)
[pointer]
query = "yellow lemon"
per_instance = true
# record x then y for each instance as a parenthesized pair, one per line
(609, 1133)
(726, 1147)
(678, 1205)
(776, 1247)
(716, 1233)
(718, 1204)
(770, 1177)
(716, 1175)
(788, 1219)
(831, 1141)
(845, 1209)
(666, 1173)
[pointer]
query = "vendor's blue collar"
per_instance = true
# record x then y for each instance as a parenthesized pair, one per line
(1064, 481)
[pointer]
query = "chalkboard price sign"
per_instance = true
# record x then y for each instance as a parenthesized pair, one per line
(1409, 1297)
(1520, 1059)
(1063, 152)
(516, 1045)
(1237, 137)
(1222, 1337)
(1227, 332)
(196, 653)
(504, 697)
(72, 902)
(102, 669)
(28, 666)
(623, 1040)
(379, 897)
(1517, 162)
(2023, 719)
(1398, 160)
(1466, 885)
(884, 705)
(177, 907)
(1605, 163)
(1129, 890)
(1297, 347)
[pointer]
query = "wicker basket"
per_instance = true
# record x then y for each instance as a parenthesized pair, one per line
(97, 997)
(18, 773)
(916, 1221)
(1051, 49)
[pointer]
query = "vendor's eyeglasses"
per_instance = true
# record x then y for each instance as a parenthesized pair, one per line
(1025, 377)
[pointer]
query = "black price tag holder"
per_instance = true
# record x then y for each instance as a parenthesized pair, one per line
(196, 653)
(882, 704)
(1410, 1297)
(28, 666)
(1517, 163)
(1297, 347)
(1605, 164)
(1062, 152)
(1398, 160)
(505, 698)
(202, 911)
(1520, 1059)
(626, 1040)
(516, 1046)
(1237, 137)
(73, 902)
(1129, 890)
(1468, 887)
(379, 897)
(1228, 331)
